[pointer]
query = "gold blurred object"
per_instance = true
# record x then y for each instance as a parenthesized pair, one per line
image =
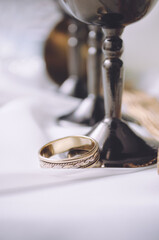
(86, 153)
(144, 108)
(56, 52)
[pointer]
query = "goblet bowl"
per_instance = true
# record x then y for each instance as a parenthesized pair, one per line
(108, 13)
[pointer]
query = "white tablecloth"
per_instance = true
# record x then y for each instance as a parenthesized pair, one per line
(66, 204)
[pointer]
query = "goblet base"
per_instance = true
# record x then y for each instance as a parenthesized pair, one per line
(120, 146)
(88, 113)
(74, 87)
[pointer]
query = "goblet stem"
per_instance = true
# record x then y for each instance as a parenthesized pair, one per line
(94, 60)
(113, 72)
(74, 45)
(74, 85)
(75, 42)
(119, 145)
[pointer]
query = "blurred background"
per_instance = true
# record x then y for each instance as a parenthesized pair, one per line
(25, 26)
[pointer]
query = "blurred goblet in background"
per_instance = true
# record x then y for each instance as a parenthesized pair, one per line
(66, 48)
(91, 109)
(64, 54)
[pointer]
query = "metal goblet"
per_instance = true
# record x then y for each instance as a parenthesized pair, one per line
(119, 145)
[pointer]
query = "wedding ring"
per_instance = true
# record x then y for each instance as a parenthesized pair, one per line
(82, 152)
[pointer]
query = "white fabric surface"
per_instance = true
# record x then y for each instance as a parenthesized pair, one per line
(66, 204)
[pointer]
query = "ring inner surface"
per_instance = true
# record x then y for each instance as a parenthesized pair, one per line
(79, 145)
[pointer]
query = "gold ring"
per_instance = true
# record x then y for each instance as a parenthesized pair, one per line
(82, 152)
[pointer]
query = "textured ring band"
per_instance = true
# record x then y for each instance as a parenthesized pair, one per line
(83, 152)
